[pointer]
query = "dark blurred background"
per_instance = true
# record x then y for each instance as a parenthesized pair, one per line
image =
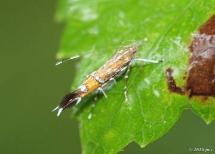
(31, 86)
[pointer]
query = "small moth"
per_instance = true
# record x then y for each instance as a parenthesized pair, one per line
(118, 65)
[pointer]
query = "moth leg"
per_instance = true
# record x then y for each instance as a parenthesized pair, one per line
(101, 90)
(126, 82)
(113, 80)
(95, 98)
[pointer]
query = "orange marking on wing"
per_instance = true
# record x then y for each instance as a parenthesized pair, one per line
(91, 85)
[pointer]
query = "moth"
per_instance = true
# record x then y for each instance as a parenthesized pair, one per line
(118, 65)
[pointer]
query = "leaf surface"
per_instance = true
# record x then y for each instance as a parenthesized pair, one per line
(163, 29)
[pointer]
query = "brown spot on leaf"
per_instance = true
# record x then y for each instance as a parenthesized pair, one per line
(171, 82)
(208, 27)
(200, 77)
(201, 70)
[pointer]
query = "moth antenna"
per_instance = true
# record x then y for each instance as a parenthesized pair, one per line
(60, 110)
(67, 59)
(68, 101)
(55, 108)
(147, 60)
(79, 100)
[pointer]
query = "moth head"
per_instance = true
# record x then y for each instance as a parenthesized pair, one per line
(68, 101)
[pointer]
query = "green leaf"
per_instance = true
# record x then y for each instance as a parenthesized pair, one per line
(163, 29)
